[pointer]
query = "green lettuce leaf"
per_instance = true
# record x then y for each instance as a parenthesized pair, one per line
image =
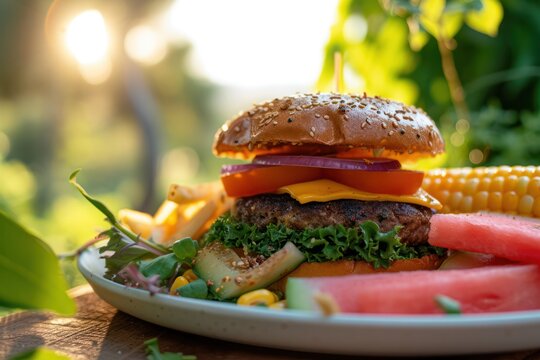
(366, 242)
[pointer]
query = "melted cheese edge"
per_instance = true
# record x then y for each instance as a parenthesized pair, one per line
(327, 190)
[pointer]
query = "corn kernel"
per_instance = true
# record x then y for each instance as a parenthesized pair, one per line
(447, 184)
(466, 204)
(510, 183)
(504, 170)
(190, 275)
(518, 170)
(530, 171)
(178, 283)
(280, 305)
(522, 185)
(534, 187)
(480, 201)
(257, 297)
(443, 196)
(470, 186)
(459, 184)
(525, 206)
(536, 206)
(484, 184)
(510, 201)
(455, 199)
(497, 184)
(495, 201)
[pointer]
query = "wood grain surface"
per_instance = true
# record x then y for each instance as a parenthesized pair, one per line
(99, 331)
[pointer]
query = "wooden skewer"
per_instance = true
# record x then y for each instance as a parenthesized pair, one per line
(338, 72)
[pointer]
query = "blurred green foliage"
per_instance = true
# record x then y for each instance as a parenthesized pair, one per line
(52, 122)
(498, 65)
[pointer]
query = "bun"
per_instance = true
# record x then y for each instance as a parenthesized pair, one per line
(350, 267)
(318, 124)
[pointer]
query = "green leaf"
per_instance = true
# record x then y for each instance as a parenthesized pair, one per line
(110, 217)
(196, 289)
(40, 353)
(185, 249)
(488, 19)
(124, 252)
(153, 353)
(29, 272)
(330, 243)
(448, 305)
(98, 204)
(164, 266)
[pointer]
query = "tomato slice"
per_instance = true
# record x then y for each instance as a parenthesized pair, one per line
(266, 179)
(260, 180)
(395, 182)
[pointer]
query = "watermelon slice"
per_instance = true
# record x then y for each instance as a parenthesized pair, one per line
(485, 289)
(514, 239)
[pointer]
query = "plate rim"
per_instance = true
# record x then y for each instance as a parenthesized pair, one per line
(395, 321)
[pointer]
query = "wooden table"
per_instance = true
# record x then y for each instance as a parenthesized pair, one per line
(99, 331)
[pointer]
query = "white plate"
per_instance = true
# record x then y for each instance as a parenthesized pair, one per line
(305, 331)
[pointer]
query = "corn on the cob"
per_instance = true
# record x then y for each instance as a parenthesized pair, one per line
(508, 189)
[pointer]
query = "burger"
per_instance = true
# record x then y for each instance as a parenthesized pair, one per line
(326, 175)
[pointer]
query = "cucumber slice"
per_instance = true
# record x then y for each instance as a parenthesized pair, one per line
(215, 263)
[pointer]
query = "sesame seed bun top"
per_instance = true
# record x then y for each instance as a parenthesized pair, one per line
(322, 124)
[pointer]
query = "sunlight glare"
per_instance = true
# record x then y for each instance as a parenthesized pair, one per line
(252, 43)
(87, 38)
(145, 45)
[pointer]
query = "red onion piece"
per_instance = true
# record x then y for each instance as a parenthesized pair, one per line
(232, 169)
(368, 164)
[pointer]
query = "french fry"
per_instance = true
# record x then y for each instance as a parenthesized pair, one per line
(139, 222)
(165, 221)
(224, 203)
(182, 194)
(197, 208)
(191, 227)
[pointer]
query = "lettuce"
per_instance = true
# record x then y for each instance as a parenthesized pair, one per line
(365, 242)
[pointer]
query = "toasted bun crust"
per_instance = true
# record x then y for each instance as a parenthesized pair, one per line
(350, 267)
(350, 125)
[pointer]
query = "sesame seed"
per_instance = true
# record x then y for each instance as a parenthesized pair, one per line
(313, 128)
(312, 134)
(317, 116)
(368, 121)
(274, 122)
(237, 128)
(298, 108)
(363, 125)
(395, 124)
(290, 120)
(384, 126)
(390, 133)
(345, 117)
(326, 117)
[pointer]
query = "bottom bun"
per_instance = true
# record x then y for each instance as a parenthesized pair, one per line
(350, 267)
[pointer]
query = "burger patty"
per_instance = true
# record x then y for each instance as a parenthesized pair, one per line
(262, 210)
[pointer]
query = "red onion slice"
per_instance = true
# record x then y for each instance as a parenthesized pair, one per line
(232, 169)
(368, 164)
